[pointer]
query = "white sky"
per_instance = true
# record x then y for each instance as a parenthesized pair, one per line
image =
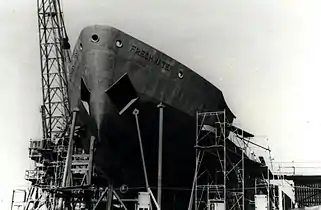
(263, 55)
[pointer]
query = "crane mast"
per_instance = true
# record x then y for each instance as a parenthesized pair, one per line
(49, 153)
(54, 56)
(57, 166)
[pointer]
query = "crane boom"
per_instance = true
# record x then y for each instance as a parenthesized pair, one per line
(55, 53)
(54, 56)
(52, 172)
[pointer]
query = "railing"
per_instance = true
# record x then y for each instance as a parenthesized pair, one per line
(80, 164)
(40, 144)
(34, 174)
(39, 147)
(45, 144)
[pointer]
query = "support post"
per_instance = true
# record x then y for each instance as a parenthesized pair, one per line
(224, 138)
(91, 157)
(196, 162)
(153, 198)
(67, 169)
(12, 201)
(120, 200)
(70, 149)
(280, 198)
(268, 177)
(136, 112)
(160, 154)
(109, 197)
(243, 174)
(100, 198)
(90, 170)
(243, 177)
(190, 205)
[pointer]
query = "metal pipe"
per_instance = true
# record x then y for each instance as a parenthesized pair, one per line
(12, 201)
(196, 165)
(255, 190)
(91, 157)
(153, 198)
(198, 154)
(224, 138)
(268, 176)
(120, 200)
(90, 167)
(100, 198)
(70, 149)
(280, 199)
(67, 168)
(243, 175)
(160, 154)
(244, 139)
(194, 183)
(110, 197)
(136, 112)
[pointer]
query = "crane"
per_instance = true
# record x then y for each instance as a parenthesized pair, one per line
(53, 155)
(54, 57)
(55, 53)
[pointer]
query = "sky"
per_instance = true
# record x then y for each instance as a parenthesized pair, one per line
(263, 55)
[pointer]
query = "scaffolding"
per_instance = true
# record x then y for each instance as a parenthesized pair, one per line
(211, 140)
(223, 179)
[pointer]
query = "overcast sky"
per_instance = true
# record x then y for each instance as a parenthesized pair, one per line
(263, 55)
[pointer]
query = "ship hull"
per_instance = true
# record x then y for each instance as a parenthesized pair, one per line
(155, 78)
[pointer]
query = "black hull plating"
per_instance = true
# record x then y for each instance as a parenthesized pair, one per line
(119, 158)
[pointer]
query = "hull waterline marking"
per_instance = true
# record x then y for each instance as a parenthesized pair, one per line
(148, 56)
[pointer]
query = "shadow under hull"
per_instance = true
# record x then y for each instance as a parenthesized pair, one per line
(118, 157)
